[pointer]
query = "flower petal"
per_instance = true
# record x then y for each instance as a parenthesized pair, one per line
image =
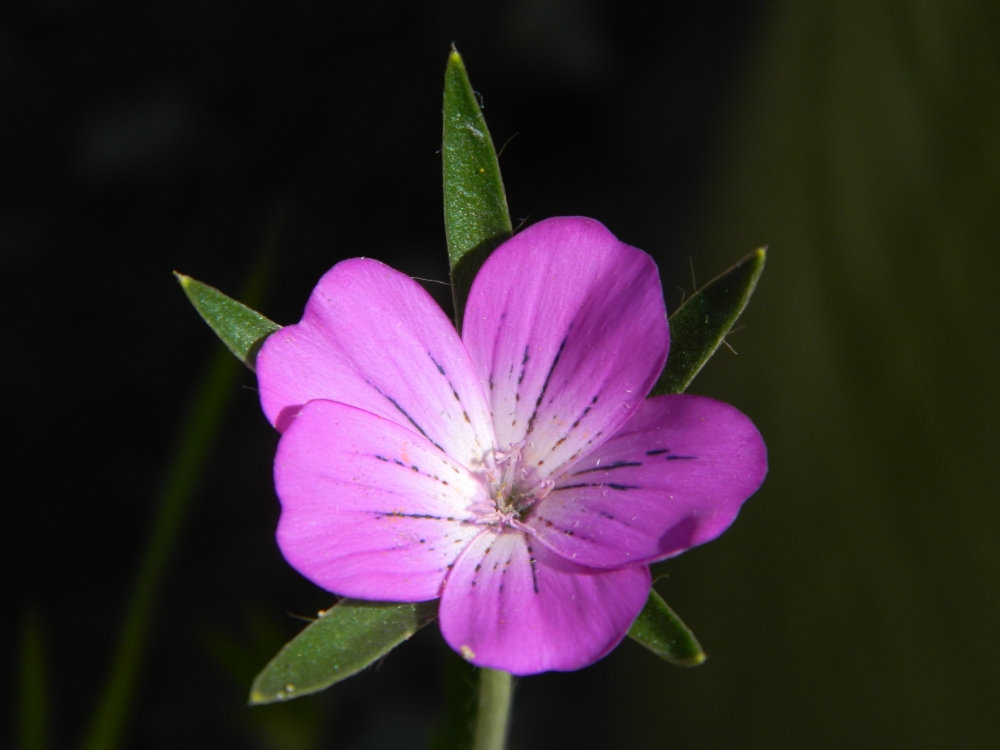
(370, 509)
(567, 327)
(673, 477)
(513, 605)
(373, 338)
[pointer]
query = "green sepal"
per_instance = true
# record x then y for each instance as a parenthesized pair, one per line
(476, 219)
(241, 329)
(659, 629)
(699, 326)
(697, 330)
(344, 640)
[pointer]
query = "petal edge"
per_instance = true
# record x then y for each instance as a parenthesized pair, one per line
(675, 476)
(513, 605)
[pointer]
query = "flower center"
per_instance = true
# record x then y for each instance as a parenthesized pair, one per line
(514, 490)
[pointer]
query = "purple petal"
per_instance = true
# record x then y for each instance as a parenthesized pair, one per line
(373, 338)
(567, 327)
(673, 477)
(370, 509)
(511, 604)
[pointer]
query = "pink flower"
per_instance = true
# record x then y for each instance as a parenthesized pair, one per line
(518, 473)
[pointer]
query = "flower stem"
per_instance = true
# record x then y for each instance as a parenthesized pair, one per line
(495, 691)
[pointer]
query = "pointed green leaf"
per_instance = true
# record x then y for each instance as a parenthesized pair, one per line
(241, 329)
(476, 219)
(700, 325)
(344, 640)
(659, 629)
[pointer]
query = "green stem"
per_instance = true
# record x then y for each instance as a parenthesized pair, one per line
(495, 692)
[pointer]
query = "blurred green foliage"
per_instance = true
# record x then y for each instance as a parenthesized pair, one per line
(297, 725)
(453, 730)
(203, 421)
(33, 711)
(855, 603)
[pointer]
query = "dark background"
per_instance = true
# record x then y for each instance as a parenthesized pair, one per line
(856, 600)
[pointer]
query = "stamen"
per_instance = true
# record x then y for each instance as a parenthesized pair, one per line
(511, 491)
(522, 527)
(513, 452)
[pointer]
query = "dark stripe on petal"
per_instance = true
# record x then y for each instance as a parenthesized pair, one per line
(400, 514)
(574, 426)
(680, 458)
(597, 484)
(616, 465)
(658, 452)
(440, 368)
(577, 422)
(404, 413)
(570, 532)
(545, 385)
(534, 570)
(414, 468)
